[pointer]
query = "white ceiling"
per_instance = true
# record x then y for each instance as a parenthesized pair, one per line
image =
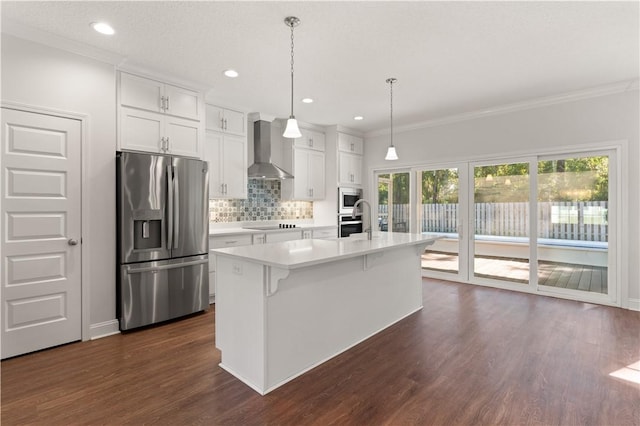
(449, 57)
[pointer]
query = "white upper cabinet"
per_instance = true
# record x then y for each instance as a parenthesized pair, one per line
(227, 157)
(349, 169)
(152, 95)
(226, 120)
(350, 143)
(311, 140)
(182, 102)
(226, 151)
(305, 158)
(350, 150)
(158, 117)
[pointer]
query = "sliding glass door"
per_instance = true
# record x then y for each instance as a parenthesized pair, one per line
(439, 213)
(574, 202)
(543, 224)
(500, 217)
(394, 208)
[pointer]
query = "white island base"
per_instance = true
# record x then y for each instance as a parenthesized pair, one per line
(284, 308)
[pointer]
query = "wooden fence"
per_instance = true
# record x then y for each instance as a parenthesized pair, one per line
(581, 221)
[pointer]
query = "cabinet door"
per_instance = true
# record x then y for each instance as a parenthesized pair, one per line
(234, 166)
(233, 240)
(356, 169)
(213, 154)
(183, 137)
(301, 190)
(141, 130)
(214, 118)
(235, 122)
(349, 143)
(182, 102)
(284, 236)
(316, 174)
(325, 233)
(310, 140)
(140, 92)
(350, 169)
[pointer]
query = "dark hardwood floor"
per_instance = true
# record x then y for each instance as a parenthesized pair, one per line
(473, 356)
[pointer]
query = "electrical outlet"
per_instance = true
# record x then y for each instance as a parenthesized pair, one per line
(237, 268)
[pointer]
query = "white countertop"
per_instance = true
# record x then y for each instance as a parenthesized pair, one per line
(303, 253)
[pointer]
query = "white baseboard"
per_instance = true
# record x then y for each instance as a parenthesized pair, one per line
(104, 329)
(634, 304)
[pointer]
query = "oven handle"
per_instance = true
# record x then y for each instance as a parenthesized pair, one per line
(352, 222)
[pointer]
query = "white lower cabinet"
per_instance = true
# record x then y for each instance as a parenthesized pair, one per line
(247, 239)
(212, 278)
(279, 236)
(223, 241)
(259, 238)
(324, 233)
(231, 240)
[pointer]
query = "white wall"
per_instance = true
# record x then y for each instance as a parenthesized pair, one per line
(40, 76)
(599, 119)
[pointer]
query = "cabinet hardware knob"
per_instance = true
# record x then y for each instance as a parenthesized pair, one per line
(72, 242)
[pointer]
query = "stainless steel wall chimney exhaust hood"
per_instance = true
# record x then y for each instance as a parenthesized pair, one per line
(263, 168)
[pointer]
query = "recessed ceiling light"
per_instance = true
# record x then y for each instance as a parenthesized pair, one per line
(103, 28)
(307, 100)
(231, 73)
(358, 118)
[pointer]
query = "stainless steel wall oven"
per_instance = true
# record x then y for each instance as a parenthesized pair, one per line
(348, 225)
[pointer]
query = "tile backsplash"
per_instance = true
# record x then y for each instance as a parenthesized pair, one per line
(263, 203)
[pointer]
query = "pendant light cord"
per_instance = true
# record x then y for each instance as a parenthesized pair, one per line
(391, 109)
(292, 25)
(391, 81)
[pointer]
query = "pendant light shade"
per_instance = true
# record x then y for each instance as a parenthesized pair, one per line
(292, 130)
(391, 151)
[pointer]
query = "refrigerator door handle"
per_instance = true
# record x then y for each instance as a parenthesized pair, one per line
(169, 207)
(164, 267)
(176, 211)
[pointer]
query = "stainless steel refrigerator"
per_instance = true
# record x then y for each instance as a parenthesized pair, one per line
(163, 238)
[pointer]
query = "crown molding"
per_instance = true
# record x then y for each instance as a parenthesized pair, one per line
(16, 29)
(593, 92)
(347, 130)
(152, 73)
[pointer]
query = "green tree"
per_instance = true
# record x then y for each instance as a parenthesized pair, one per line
(440, 186)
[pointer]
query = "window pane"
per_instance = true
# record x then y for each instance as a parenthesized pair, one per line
(439, 214)
(393, 202)
(573, 227)
(501, 209)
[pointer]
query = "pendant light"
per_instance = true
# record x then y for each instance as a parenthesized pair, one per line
(292, 130)
(391, 151)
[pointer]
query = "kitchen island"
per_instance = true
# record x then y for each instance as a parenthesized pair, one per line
(284, 308)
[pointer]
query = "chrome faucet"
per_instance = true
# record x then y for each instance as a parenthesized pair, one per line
(369, 229)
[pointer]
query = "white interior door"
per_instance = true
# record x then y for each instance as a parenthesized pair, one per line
(40, 231)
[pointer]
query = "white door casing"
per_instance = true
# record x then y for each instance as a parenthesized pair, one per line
(40, 232)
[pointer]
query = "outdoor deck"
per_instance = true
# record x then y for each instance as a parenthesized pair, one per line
(553, 274)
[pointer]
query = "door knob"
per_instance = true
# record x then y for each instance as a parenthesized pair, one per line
(73, 242)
